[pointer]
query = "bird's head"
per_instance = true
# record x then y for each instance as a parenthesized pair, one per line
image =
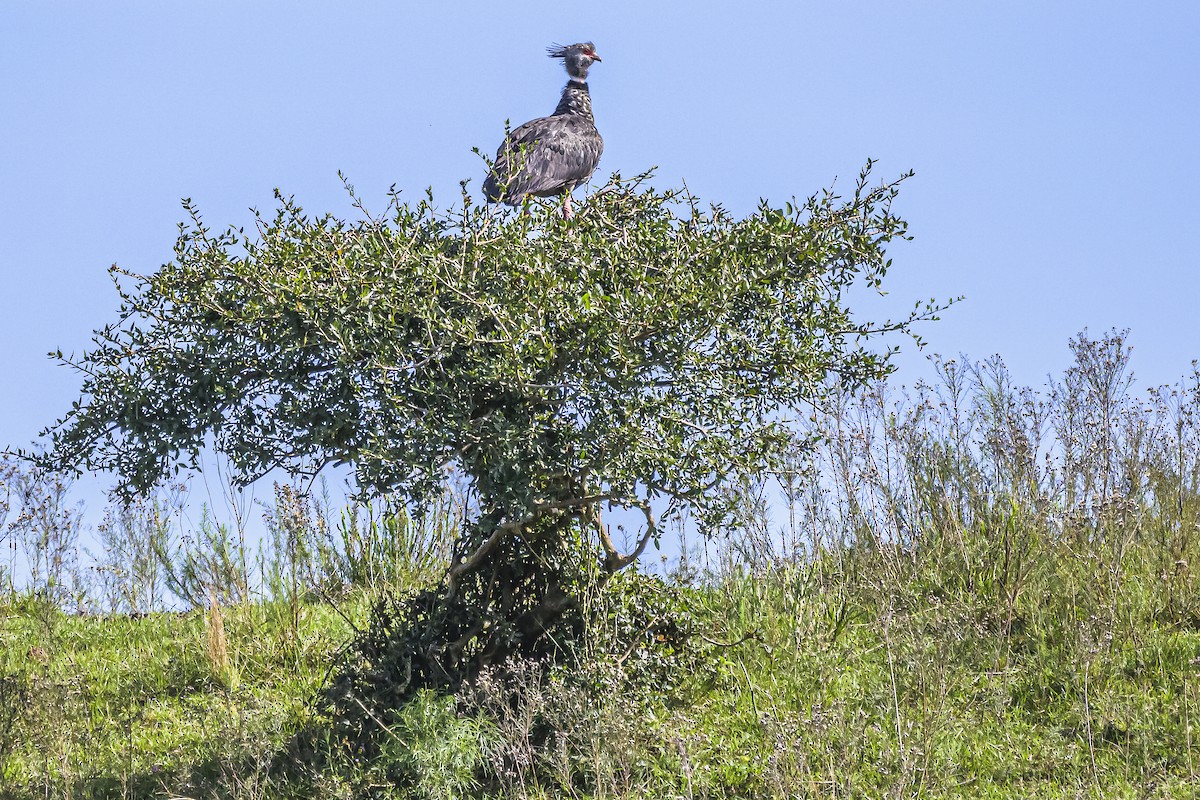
(576, 58)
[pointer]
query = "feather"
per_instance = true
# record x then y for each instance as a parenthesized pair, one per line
(544, 157)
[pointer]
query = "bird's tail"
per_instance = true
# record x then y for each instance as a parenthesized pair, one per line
(492, 189)
(497, 191)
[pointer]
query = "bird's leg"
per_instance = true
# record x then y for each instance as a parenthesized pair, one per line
(566, 205)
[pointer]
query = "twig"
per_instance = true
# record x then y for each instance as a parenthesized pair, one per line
(892, 672)
(325, 596)
(376, 719)
(1087, 711)
(752, 635)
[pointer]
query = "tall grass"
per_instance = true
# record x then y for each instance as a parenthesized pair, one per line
(970, 588)
(1083, 461)
(144, 556)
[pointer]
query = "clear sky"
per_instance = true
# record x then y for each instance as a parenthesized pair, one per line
(1055, 143)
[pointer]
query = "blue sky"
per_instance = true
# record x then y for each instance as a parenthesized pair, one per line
(1054, 143)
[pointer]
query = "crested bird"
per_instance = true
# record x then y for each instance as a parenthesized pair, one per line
(551, 155)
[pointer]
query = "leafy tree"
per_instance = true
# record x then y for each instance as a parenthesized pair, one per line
(643, 355)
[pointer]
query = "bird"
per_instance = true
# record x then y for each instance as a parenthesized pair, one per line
(551, 155)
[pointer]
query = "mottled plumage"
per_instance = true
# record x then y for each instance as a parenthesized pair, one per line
(551, 155)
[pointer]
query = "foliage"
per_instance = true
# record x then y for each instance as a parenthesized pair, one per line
(134, 539)
(645, 346)
(315, 550)
(436, 752)
(647, 636)
(212, 562)
(641, 355)
(46, 532)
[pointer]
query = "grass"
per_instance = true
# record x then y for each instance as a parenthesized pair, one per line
(980, 591)
(862, 674)
(925, 694)
(121, 706)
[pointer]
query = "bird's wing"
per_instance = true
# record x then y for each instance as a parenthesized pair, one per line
(543, 156)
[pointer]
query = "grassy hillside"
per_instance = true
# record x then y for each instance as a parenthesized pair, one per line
(970, 590)
(119, 706)
(881, 673)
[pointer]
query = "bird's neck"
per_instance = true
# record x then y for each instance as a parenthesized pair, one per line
(575, 100)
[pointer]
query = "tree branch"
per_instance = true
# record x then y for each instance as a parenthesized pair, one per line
(468, 564)
(614, 561)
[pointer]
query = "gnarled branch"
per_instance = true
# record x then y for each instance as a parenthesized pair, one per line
(614, 561)
(465, 565)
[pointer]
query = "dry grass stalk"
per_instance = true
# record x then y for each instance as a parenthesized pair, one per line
(217, 648)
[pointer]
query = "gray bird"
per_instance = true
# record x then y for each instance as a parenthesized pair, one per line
(551, 155)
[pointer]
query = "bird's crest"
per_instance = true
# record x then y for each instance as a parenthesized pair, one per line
(564, 50)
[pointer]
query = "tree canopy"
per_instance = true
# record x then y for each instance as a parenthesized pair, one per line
(644, 354)
(643, 349)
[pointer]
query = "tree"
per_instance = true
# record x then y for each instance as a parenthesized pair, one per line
(644, 354)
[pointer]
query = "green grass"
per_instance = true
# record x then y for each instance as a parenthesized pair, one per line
(118, 706)
(922, 696)
(981, 592)
(869, 673)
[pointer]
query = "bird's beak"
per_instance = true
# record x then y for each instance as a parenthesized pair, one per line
(595, 57)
